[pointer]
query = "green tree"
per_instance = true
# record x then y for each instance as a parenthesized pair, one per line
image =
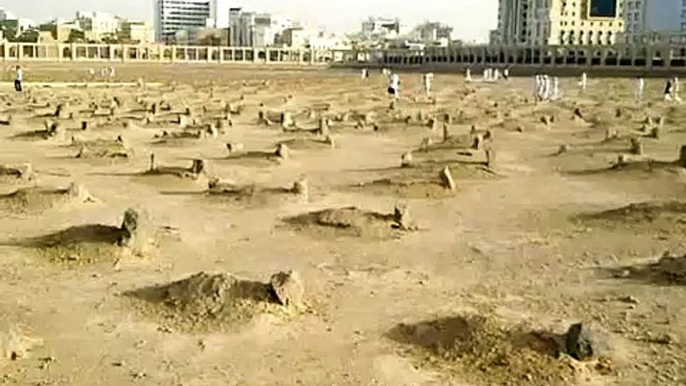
(76, 36)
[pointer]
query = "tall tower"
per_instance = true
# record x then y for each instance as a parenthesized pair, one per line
(180, 15)
(512, 21)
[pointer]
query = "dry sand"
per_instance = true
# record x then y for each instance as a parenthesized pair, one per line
(406, 282)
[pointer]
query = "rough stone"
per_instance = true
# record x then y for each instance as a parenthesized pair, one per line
(323, 128)
(301, 187)
(478, 142)
(235, 147)
(582, 343)
(426, 144)
(611, 133)
(432, 124)
(406, 160)
(5, 119)
(402, 217)
(655, 132)
(682, 156)
(491, 160)
(198, 166)
(636, 146)
(288, 288)
(153, 164)
(129, 227)
(282, 151)
(287, 120)
(447, 179)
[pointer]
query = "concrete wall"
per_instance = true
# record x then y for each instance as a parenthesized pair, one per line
(21, 52)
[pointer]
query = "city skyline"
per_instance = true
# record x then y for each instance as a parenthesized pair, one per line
(471, 19)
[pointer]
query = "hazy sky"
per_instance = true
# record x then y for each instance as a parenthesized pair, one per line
(471, 18)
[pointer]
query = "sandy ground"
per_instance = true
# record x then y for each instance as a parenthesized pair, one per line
(526, 242)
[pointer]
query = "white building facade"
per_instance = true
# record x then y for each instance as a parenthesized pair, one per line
(383, 28)
(252, 29)
(560, 22)
(98, 24)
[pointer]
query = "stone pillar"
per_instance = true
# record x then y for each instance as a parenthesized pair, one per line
(72, 51)
(313, 54)
(173, 54)
(649, 58)
(301, 57)
(255, 55)
(668, 59)
(160, 53)
(20, 51)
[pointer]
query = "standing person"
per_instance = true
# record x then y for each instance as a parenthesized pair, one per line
(394, 86)
(556, 88)
(506, 73)
(18, 79)
(546, 88)
(668, 90)
(584, 81)
(640, 87)
(537, 86)
(365, 73)
(427, 80)
(468, 75)
(675, 90)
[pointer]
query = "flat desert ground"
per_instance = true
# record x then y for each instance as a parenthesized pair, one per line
(562, 212)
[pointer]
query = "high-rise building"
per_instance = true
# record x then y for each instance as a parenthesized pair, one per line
(252, 29)
(650, 20)
(220, 10)
(185, 15)
(512, 21)
(560, 22)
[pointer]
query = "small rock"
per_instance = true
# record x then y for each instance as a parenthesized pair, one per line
(406, 160)
(666, 339)
(447, 179)
(583, 343)
(288, 288)
(629, 299)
